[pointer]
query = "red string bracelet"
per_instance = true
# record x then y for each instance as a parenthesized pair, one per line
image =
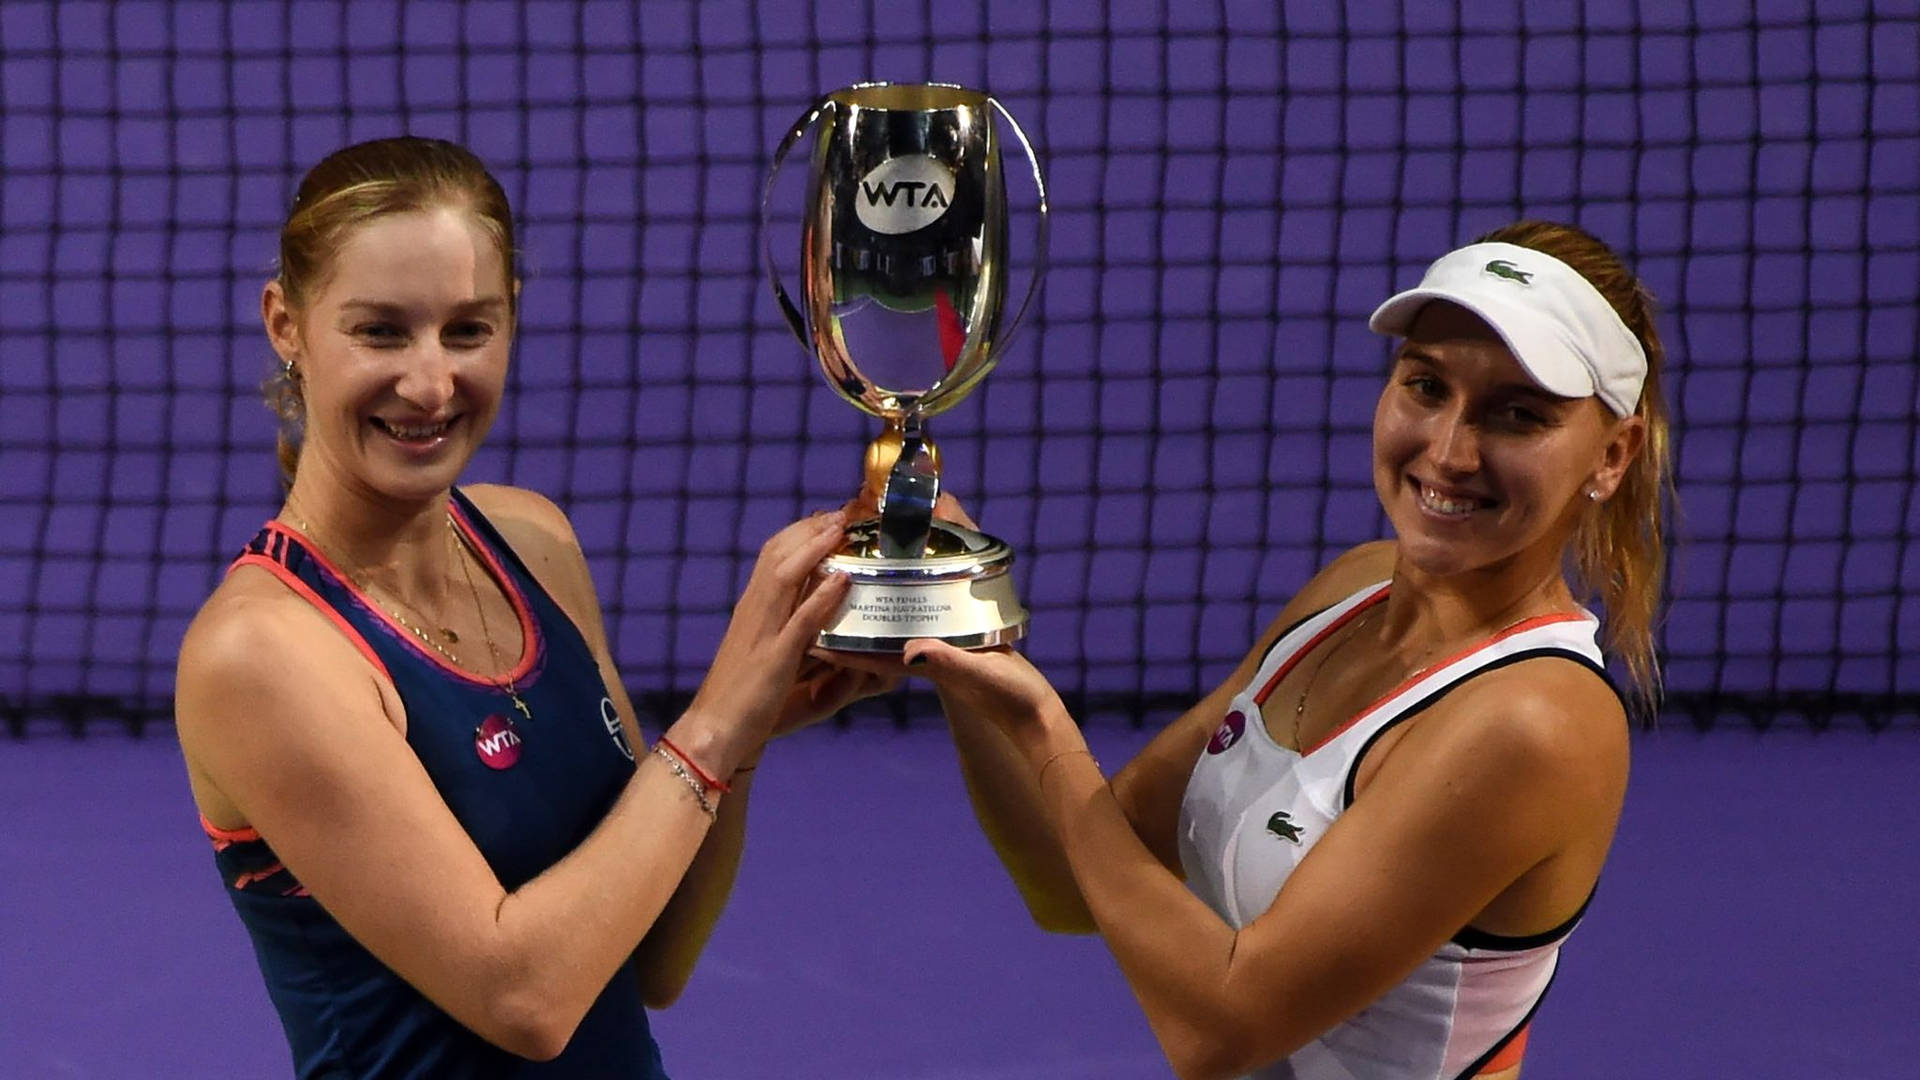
(705, 777)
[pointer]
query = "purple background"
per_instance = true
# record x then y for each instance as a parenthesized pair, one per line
(1176, 442)
(1755, 921)
(1172, 446)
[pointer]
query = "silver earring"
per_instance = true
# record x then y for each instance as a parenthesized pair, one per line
(1593, 495)
(286, 369)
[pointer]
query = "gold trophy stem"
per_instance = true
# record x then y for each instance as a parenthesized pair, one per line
(883, 451)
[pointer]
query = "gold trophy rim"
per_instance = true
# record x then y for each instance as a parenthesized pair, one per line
(910, 97)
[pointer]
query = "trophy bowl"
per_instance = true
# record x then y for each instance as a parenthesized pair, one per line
(904, 262)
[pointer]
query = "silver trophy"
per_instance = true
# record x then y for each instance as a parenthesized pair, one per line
(904, 263)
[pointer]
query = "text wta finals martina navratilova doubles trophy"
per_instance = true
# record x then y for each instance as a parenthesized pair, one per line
(904, 261)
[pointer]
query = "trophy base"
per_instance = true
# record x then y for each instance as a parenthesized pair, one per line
(959, 592)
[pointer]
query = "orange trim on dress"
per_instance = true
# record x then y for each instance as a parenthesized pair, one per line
(1510, 1054)
(1287, 665)
(292, 581)
(529, 633)
(529, 627)
(252, 876)
(1520, 627)
(225, 838)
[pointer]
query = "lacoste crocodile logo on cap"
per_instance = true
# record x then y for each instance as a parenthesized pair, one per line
(1501, 268)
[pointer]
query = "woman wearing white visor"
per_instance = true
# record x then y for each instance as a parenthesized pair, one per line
(1395, 810)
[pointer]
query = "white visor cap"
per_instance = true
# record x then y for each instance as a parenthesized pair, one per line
(1556, 323)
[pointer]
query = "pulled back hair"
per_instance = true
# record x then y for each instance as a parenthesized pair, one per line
(351, 187)
(1618, 550)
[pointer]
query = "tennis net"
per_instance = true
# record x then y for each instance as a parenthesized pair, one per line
(1173, 444)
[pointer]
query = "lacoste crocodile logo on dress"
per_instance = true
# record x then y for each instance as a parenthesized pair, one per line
(1281, 825)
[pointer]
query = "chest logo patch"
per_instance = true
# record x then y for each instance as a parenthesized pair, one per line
(1228, 733)
(1281, 825)
(497, 742)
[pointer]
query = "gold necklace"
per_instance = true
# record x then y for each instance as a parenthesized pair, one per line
(453, 638)
(454, 546)
(486, 632)
(1300, 704)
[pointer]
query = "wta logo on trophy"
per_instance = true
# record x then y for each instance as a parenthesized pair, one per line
(903, 195)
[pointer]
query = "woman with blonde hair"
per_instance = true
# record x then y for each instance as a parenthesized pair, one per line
(1358, 857)
(425, 786)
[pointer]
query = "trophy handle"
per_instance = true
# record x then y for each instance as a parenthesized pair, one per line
(795, 319)
(1040, 242)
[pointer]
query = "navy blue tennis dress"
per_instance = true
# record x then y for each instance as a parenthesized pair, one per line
(528, 789)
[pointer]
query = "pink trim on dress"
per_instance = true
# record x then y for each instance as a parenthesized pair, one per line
(292, 581)
(225, 838)
(529, 630)
(1327, 631)
(529, 626)
(1520, 627)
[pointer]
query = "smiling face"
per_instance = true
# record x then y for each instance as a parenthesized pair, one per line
(402, 353)
(1476, 465)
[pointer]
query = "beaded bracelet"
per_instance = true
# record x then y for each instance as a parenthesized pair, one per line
(699, 790)
(713, 783)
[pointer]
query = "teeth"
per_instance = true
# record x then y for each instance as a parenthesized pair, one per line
(1433, 500)
(404, 432)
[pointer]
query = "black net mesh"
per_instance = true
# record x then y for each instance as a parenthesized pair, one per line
(1176, 441)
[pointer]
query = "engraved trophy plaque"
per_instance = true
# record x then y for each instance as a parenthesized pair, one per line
(904, 260)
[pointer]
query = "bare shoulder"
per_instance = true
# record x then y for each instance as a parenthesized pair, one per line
(250, 623)
(543, 537)
(1350, 571)
(1353, 569)
(1531, 759)
(1548, 719)
(1549, 698)
(540, 534)
(256, 641)
(1152, 785)
(534, 524)
(256, 663)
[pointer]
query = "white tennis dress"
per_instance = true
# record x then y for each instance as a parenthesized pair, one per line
(1253, 809)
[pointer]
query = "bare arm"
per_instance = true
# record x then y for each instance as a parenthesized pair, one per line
(1005, 793)
(284, 723)
(1521, 762)
(1148, 791)
(666, 957)
(540, 533)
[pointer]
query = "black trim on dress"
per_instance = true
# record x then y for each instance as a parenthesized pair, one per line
(1468, 937)
(1471, 938)
(1353, 771)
